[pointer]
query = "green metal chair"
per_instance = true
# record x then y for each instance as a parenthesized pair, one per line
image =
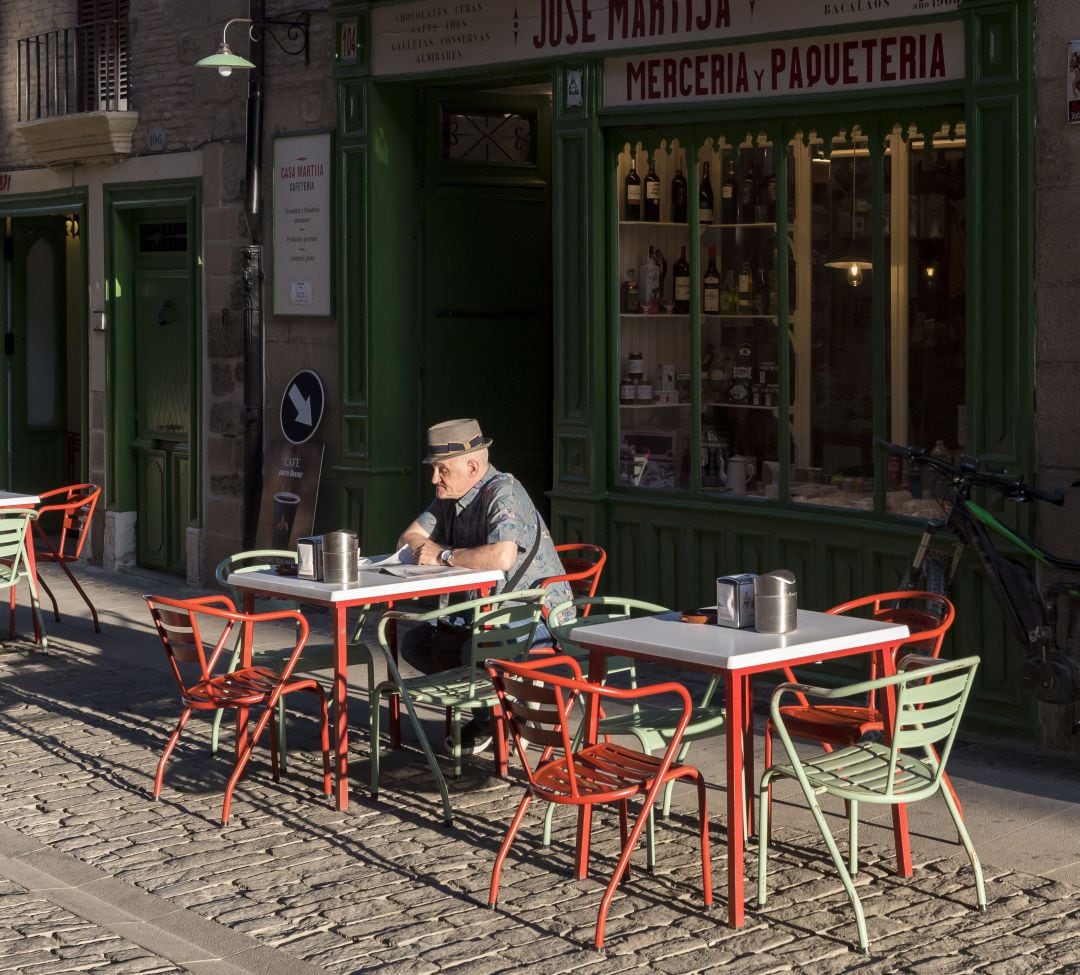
(930, 698)
(652, 726)
(313, 658)
(502, 628)
(14, 533)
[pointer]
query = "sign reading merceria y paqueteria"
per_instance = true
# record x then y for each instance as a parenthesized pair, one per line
(435, 35)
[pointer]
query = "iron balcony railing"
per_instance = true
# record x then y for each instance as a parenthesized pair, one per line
(72, 70)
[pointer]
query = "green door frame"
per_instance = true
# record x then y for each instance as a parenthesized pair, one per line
(37, 205)
(122, 203)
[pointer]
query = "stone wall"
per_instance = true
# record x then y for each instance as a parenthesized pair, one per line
(1057, 297)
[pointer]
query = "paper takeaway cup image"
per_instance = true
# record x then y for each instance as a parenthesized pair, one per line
(285, 505)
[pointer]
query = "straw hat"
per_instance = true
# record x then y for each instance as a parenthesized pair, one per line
(454, 438)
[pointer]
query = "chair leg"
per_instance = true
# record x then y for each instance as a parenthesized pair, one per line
(280, 724)
(85, 598)
(838, 862)
(242, 759)
(375, 748)
(275, 762)
(853, 837)
(549, 815)
(764, 828)
(623, 833)
(48, 592)
(768, 764)
(703, 826)
(219, 714)
(455, 738)
(584, 834)
(324, 740)
(504, 849)
(35, 607)
(502, 744)
(969, 847)
(169, 746)
(11, 614)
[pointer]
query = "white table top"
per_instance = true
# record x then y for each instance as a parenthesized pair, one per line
(9, 499)
(713, 647)
(371, 587)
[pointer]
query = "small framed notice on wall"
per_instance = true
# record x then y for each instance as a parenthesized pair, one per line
(1073, 94)
(303, 265)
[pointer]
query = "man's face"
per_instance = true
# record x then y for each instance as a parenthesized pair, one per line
(454, 477)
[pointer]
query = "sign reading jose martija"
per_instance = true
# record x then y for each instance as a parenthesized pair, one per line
(302, 264)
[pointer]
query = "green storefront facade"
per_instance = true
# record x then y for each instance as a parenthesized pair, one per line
(478, 283)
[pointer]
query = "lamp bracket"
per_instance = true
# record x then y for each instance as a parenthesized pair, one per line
(289, 32)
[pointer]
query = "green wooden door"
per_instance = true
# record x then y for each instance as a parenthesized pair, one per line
(163, 389)
(486, 337)
(38, 389)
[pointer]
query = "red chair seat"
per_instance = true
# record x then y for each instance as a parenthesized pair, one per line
(605, 772)
(833, 723)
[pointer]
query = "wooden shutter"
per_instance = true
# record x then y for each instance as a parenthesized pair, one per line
(103, 55)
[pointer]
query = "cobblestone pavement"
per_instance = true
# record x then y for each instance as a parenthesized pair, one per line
(97, 877)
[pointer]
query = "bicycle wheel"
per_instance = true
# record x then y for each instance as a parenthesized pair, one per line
(930, 576)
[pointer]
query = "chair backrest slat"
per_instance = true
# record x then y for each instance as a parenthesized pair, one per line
(13, 522)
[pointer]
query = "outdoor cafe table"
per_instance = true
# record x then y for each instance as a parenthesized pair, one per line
(737, 655)
(372, 588)
(12, 499)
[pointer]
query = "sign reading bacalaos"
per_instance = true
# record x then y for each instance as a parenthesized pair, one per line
(436, 35)
(869, 59)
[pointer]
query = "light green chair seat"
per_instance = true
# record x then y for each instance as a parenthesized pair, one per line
(502, 628)
(930, 698)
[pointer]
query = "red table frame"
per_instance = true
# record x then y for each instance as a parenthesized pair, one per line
(738, 689)
(339, 609)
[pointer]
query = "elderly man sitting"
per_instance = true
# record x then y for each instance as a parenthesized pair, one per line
(481, 518)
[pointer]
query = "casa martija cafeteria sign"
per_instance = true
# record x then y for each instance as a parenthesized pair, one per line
(427, 36)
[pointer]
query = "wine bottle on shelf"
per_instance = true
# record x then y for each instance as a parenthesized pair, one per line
(768, 192)
(746, 289)
(632, 193)
(710, 291)
(649, 284)
(747, 191)
(650, 203)
(678, 192)
(631, 294)
(728, 193)
(705, 196)
(729, 293)
(682, 284)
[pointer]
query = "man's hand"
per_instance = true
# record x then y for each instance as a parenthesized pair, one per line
(427, 552)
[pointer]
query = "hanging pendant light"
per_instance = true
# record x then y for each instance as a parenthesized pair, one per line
(856, 259)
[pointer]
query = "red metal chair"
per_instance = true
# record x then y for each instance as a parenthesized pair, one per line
(582, 564)
(75, 506)
(928, 617)
(178, 624)
(536, 702)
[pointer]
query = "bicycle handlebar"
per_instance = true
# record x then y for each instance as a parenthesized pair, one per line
(1013, 488)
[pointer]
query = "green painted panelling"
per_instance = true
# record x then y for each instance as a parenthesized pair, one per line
(356, 444)
(353, 322)
(571, 256)
(573, 458)
(1001, 378)
(351, 114)
(995, 54)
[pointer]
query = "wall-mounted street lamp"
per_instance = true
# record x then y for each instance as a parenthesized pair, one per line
(289, 33)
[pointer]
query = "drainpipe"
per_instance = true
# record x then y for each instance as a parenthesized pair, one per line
(253, 280)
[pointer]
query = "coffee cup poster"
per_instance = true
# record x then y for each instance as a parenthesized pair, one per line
(290, 493)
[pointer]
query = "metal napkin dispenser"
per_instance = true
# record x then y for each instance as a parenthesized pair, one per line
(776, 602)
(309, 557)
(735, 601)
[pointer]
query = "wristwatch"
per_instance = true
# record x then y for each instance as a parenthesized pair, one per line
(446, 556)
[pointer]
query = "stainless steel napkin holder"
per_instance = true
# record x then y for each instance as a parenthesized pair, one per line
(776, 602)
(735, 601)
(309, 557)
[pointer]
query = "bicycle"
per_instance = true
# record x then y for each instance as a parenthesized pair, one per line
(1050, 670)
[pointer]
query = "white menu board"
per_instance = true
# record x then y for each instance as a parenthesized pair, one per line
(303, 266)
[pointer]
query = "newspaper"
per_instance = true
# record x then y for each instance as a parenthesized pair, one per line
(402, 563)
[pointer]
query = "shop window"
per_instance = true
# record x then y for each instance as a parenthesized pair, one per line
(500, 138)
(747, 336)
